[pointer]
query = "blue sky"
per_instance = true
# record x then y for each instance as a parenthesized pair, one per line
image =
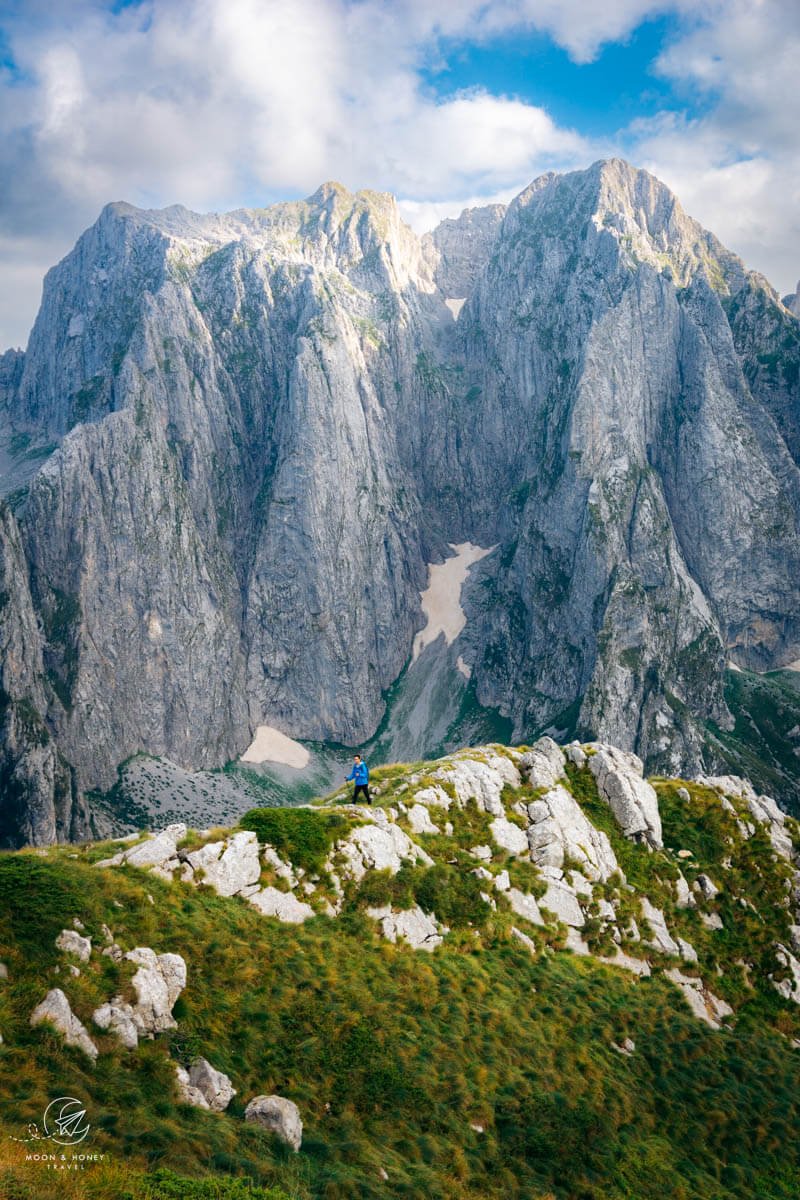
(220, 103)
(597, 97)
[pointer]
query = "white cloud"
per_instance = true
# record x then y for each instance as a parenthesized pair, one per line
(736, 168)
(216, 103)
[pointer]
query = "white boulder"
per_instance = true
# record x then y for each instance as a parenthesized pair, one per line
(544, 763)
(55, 1009)
(159, 981)
(188, 1093)
(789, 987)
(683, 895)
(561, 900)
(433, 795)
(157, 849)
(283, 905)
(214, 1086)
(703, 1003)
(280, 1116)
(706, 887)
(370, 847)
(576, 754)
(420, 821)
(527, 942)
(117, 1016)
(524, 905)
(480, 781)
(283, 870)
(662, 939)
(632, 800)
(422, 932)
(639, 966)
(72, 943)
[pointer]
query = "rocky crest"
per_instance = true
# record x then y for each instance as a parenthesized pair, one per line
(269, 422)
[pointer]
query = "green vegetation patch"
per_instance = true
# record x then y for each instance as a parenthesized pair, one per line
(766, 709)
(166, 1185)
(453, 895)
(303, 836)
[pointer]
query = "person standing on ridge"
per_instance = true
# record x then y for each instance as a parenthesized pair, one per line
(360, 775)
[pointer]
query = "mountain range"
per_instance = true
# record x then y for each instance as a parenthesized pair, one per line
(237, 447)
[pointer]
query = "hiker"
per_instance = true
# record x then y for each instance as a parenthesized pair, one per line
(360, 774)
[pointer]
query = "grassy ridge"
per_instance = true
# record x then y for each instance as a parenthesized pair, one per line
(478, 1071)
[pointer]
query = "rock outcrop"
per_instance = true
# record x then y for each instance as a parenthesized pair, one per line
(630, 797)
(158, 982)
(421, 931)
(55, 1010)
(558, 829)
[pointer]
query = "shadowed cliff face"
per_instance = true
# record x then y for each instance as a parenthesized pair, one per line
(270, 421)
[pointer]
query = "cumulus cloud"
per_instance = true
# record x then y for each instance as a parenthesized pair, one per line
(215, 103)
(736, 167)
(218, 103)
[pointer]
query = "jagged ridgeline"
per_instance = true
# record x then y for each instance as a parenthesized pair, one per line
(523, 974)
(236, 443)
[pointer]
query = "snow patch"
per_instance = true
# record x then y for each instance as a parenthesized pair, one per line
(456, 306)
(270, 745)
(441, 601)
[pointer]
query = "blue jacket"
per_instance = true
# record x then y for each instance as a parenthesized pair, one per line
(359, 773)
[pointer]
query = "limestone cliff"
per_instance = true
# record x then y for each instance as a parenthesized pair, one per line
(269, 422)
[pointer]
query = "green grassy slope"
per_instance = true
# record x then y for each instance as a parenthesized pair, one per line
(766, 709)
(480, 1070)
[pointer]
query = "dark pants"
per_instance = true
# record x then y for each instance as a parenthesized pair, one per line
(361, 787)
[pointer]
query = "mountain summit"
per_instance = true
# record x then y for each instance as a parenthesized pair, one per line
(238, 442)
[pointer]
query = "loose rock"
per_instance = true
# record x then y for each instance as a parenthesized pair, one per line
(280, 1116)
(72, 943)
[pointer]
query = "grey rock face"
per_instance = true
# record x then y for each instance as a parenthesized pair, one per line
(463, 247)
(279, 1115)
(39, 801)
(268, 423)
